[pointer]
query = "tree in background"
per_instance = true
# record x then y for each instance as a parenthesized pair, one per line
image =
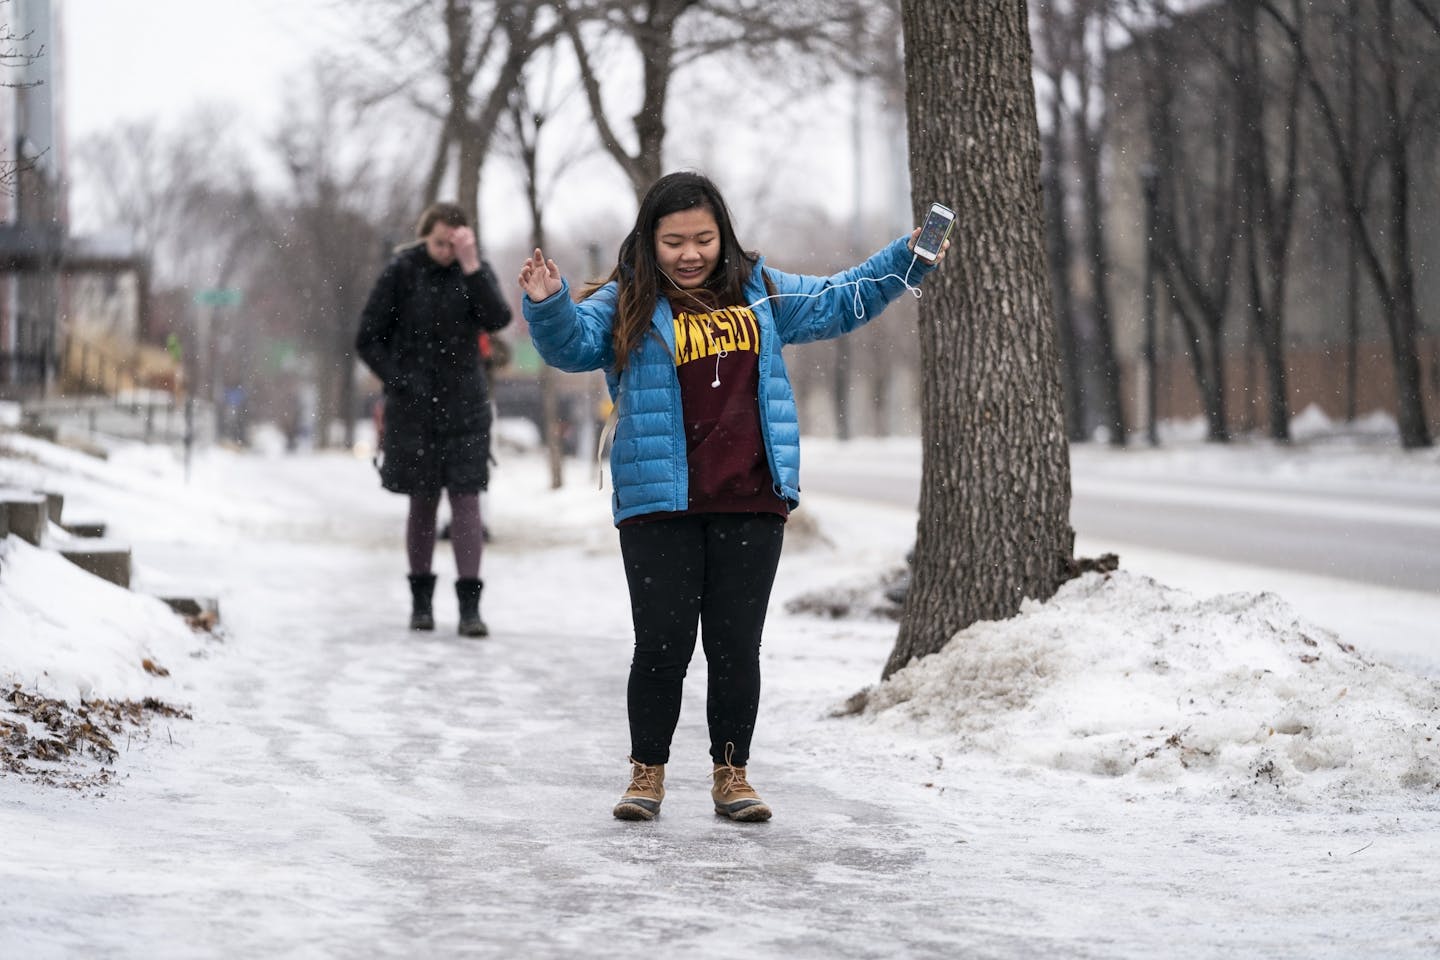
(1090, 23)
(1054, 43)
(1190, 124)
(668, 35)
(186, 197)
(13, 56)
(1072, 54)
(994, 523)
(1398, 47)
(159, 185)
(462, 61)
(325, 229)
(529, 115)
(1267, 167)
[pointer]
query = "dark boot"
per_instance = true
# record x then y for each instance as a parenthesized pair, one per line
(468, 592)
(422, 591)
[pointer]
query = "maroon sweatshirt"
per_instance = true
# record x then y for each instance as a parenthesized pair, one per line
(717, 360)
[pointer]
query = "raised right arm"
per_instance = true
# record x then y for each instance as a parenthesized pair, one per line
(570, 336)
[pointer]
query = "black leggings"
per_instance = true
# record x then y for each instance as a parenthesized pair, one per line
(715, 569)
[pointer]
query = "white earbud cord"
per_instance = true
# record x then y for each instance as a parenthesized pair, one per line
(858, 304)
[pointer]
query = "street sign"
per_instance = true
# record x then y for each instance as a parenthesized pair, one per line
(219, 297)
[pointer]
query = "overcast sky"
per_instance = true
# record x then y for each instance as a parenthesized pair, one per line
(158, 57)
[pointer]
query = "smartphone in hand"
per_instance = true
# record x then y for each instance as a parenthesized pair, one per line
(934, 231)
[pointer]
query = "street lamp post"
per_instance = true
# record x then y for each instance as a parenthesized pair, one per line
(1148, 181)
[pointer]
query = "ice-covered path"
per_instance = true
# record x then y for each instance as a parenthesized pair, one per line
(348, 789)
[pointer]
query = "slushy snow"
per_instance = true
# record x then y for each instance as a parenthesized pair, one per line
(1126, 770)
(1120, 676)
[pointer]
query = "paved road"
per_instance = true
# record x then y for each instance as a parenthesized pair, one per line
(1388, 536)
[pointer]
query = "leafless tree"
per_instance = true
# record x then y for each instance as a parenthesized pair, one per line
(529, 117)
(1072, 53)
(16, 52)
(1401, 62)
(1268, 176)
(1054, 42)
(326, 233)
(1092, 21)
(461, 61)
(670, 35)
(157, 183)
(994, 525)
(1197, 211)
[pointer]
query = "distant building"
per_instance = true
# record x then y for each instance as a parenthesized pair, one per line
(44, 271)
(32, 201)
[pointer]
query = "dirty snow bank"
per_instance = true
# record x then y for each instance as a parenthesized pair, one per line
(73, 636)
(1118, 675)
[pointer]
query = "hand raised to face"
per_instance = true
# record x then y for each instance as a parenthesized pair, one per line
(462, 239)
(539, 278)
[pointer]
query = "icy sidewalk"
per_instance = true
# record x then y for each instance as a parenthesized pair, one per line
(350, 789)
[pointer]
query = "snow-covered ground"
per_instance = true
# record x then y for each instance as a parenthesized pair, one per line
(1182, 759)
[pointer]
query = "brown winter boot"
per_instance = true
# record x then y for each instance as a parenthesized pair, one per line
(732, 793)
(642, 798)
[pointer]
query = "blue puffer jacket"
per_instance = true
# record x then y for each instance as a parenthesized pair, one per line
(647, 460)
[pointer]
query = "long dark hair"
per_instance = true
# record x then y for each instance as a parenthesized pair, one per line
(637, 271)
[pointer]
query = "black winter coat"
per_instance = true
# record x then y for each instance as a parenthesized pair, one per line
(419, 333)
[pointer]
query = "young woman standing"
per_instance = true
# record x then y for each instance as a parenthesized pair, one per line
(419, 333)
(705, 463)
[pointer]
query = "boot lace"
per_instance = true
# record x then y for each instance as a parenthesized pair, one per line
(734, 776)
(643, 777)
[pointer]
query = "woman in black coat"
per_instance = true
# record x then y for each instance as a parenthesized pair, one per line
(419, 333)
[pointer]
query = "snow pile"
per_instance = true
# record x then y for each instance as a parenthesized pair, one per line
(1312, 424)
(1118, 675)
(70, 635)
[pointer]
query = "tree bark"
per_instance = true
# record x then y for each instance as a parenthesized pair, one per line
(1057, 234)
(995, 492)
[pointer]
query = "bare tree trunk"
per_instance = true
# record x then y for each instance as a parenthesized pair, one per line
(527, 124)
(654, 41)
(800, 28)
(1057, 238)
(1090, 132)
(1352, 262)
(1391, 269)
(1268, 211)
(994, 523)
(1197, 278)
(1404, 320)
